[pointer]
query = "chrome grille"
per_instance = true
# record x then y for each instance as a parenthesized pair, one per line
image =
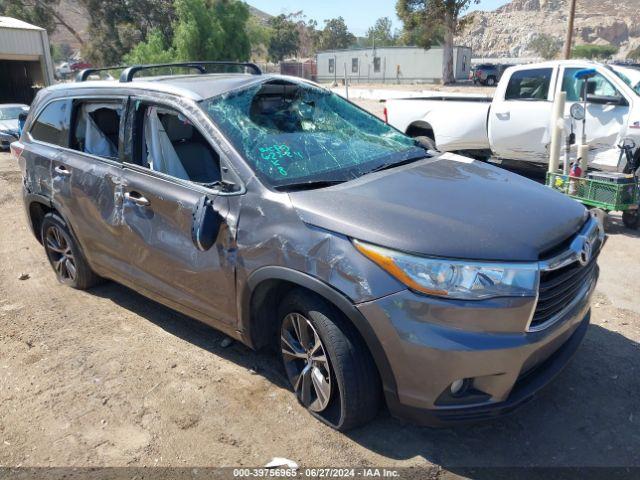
(567, 277)
(559, 287)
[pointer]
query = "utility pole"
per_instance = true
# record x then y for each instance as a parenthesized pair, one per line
(569, 38)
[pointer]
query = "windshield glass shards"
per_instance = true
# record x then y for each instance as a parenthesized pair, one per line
(294, 133)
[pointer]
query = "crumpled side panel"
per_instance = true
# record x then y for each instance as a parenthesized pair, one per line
(270, 233)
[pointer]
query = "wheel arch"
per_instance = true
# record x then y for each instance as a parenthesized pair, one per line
(421, 128)
(37, 207)
(266, 287)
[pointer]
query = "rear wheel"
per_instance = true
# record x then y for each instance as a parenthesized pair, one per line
(64, 255)
(427, 142)
(491, 81)
(631, 219)
(328, 365)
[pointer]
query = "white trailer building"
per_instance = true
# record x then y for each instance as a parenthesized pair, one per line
(390, 65)
(25, 60)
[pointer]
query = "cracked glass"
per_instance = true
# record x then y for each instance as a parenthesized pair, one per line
(294, 133)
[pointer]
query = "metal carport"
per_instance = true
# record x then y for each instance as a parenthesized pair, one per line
(25, 60)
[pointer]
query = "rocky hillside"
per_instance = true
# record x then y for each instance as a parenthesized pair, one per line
(508, 31)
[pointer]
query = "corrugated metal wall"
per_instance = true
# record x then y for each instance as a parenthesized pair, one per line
(25, 63)
(14, 41)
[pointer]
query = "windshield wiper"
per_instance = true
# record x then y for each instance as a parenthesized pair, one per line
(388, 165)
(311, 185)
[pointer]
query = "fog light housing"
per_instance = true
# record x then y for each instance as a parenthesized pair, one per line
(459, 387)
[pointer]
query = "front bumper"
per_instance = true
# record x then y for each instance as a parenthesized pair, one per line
(430, 343)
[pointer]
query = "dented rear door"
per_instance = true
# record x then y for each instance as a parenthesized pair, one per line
(87, 190)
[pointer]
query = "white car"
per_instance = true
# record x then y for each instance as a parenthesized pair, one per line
(10, 122)
(515, 123)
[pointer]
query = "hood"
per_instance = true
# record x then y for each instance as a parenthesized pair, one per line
(447, 206)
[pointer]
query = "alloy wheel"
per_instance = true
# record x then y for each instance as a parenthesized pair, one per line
(58, 247)
(306, 362)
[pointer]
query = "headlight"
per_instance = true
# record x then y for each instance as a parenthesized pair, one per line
(455, 278)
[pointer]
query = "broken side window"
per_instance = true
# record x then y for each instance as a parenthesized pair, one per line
(172, 145)
(96, 128)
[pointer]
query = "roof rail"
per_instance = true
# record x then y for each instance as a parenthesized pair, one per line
(83, 75)
(128, 74)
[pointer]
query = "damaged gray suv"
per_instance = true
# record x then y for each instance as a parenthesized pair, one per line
(286, 216)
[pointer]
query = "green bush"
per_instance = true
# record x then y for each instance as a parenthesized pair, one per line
(592, 52)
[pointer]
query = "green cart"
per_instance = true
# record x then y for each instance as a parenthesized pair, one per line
(608, 191)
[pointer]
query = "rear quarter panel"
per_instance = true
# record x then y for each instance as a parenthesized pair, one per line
(458, 124)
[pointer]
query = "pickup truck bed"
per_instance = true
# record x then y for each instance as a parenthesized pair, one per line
(468, 130)
(516, 123)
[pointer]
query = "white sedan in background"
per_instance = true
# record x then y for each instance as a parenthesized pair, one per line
(10, 122)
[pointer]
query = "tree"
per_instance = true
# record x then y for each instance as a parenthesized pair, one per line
(594, 51)
(116, 26)
(154, 50)
(204, 30)
(285, 38)
(435, 20)
(335, 35)
(43, 13)
(259, 32)
(61, 52)
(308, 34)
(380, 34)
(545, 46)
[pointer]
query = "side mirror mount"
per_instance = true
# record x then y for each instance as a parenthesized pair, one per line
(206, 224)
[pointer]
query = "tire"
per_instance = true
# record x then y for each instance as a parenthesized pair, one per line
(491, 81)
(428, 142)
(631, 219)
(344, 390)
(64, 254)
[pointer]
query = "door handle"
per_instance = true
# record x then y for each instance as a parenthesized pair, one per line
(137, 198)
(62, 170)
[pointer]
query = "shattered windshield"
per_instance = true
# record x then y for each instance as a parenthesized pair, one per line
(295, 133)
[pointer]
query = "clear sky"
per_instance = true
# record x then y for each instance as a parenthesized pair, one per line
(359, 14)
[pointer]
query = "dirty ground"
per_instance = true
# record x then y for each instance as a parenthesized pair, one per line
(109, 378)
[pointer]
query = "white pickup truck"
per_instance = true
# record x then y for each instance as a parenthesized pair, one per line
(515, 123)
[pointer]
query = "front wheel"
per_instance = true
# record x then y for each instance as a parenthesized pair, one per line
(491, 81)
(328, 365)
(631, 219)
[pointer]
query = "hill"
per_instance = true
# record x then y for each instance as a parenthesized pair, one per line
(508, 31)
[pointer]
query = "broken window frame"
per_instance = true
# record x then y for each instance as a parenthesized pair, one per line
(78, 102)
(133, 148)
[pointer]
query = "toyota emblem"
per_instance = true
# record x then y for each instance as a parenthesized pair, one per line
(585, 253)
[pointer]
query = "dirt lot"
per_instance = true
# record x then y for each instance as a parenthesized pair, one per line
(108, 377)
